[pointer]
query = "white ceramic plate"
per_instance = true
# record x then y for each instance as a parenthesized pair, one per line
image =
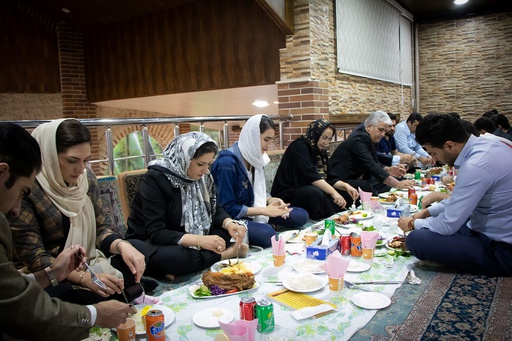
(416, 188)
(192, 289)
(209, 318)
(361, 215)
(413, 208)
(304, 282)
(286, 235)
(251, 266)
(309, 266)
(356, 266)
(139, 325)
(371, 300)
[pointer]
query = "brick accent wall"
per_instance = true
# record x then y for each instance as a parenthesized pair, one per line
(466, 65)
(73, 83)
(308, 68)
(306, 101)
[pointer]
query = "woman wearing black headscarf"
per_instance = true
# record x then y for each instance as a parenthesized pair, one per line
(300, 178)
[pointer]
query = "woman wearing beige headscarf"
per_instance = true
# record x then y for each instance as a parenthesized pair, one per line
(64, 209)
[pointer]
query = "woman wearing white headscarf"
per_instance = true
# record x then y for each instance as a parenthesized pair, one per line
(240, 180)
(65, 209)
(175, 211)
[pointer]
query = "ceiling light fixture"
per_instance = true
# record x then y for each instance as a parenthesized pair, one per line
(460, 2)
(260, 103)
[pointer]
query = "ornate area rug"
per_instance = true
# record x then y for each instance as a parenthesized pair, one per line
(450, 306)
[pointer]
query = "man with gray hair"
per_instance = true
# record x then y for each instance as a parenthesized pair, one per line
(355, 160)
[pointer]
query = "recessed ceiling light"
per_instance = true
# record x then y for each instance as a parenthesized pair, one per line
(65, 10)
(460, 2)
(260, 103)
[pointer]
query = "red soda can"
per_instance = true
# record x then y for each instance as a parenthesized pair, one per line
(247, 307)
(356, 249)
(345, 245)
(155, 325)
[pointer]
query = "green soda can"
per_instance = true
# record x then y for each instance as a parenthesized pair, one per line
(264, 312)
(329, 225)
(417, 175)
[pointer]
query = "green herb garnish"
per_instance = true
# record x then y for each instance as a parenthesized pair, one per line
(203, 291)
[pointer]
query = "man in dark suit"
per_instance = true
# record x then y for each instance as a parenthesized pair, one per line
(355, 159)
(27, 311)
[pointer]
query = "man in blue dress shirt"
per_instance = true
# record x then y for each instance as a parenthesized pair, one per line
(405, 139)
(386, 149)
(472, 230)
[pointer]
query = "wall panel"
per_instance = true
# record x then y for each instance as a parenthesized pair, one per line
(204, 45)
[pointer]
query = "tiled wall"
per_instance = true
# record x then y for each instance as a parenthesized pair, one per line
(466, 65)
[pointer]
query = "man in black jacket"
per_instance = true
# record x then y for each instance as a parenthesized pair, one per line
(356, 158)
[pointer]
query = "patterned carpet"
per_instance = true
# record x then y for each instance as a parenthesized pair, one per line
(446, 306)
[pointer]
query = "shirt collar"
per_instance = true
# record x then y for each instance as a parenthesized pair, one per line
(465, 151)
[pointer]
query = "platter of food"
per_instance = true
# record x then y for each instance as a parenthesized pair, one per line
(396, 243)
(217, 284)
(389, 198)
(361, 215)
(381, 241)
(142, 310)
(230, 266)
(304, 282)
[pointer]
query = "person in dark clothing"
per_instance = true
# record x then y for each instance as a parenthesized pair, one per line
(387, 153)
(175, 211)
(356, 159)
(300, 178)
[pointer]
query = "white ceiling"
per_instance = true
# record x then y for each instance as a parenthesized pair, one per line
(226, 102)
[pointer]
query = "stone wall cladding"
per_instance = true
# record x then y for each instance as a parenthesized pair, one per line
(309, 62)
(23, 106)
(466, 65)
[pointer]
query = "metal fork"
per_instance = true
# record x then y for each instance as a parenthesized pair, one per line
(351, 285)
(94, 278)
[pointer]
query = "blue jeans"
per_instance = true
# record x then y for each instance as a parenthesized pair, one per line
(260, 233)
(466, 251)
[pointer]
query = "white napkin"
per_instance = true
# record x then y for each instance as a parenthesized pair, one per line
(326, 239)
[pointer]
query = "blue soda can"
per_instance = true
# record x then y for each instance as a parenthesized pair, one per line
(265, 314)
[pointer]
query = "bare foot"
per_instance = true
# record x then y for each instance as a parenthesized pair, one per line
(231, 251)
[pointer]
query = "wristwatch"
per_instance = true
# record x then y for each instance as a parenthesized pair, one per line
(51, 276)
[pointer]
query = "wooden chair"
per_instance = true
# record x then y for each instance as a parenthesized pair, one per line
(128, 184)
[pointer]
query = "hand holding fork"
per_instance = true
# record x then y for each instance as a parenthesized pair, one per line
(94, 278)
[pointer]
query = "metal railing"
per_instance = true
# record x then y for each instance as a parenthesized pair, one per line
(145, 122)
